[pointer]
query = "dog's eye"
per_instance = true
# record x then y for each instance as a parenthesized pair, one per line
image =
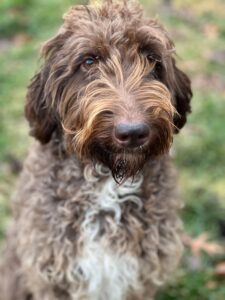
(155, 63)
(150, 59)
(153, 59)
(90, 61)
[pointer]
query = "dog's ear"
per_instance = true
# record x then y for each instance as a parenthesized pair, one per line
(182, 95)
(37, 108)
(41, 93)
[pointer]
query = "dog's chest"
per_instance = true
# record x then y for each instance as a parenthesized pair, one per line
(108, 202)
(100, 267)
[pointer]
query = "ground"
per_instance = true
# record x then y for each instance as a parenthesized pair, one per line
(198, 28)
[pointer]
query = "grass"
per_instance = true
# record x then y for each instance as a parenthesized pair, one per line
(198, 28)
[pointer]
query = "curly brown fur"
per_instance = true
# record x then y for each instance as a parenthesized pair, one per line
(77, 233)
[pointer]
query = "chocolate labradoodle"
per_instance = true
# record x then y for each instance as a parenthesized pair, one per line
(96, 211)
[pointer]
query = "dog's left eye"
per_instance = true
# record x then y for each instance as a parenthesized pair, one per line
(155, 63)
(153, 59)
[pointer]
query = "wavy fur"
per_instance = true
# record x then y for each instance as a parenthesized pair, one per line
(78, 234)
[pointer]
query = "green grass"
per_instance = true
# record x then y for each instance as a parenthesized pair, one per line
(24, 25)
(198, 29)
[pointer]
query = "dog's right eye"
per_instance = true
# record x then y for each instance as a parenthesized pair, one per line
(90, 61)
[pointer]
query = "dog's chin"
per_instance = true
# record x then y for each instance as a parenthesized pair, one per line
(127, 165)
(123, 163)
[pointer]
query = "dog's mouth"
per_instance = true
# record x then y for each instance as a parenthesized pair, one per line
(124, 159)
(123, 162)
(139, 150)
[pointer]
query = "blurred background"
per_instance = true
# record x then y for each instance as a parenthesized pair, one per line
(198, 29)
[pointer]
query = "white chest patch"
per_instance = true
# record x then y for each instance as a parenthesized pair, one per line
(105, 274)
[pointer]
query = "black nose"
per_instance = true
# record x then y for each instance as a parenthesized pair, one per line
(131, 134)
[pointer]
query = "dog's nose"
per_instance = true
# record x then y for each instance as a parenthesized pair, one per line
(131, 134)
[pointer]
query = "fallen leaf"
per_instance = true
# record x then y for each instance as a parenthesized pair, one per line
(21, 39)
(211, 285)
(201, 243)
(220, 269)
(211, 31)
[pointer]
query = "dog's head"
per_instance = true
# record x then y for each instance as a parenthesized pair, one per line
(110, 87)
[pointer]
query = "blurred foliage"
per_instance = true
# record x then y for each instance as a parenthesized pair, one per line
(193, 286)
(30, 16)
(198, 29)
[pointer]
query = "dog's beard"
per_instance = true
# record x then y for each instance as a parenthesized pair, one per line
(126, 162)
(125, 166)
(122, 163)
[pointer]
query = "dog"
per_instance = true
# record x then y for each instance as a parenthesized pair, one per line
(96, 212)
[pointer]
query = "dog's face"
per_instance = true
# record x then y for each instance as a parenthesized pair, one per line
(110, 87)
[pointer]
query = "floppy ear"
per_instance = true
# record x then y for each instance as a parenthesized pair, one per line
(182, 97)
(38, 110)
